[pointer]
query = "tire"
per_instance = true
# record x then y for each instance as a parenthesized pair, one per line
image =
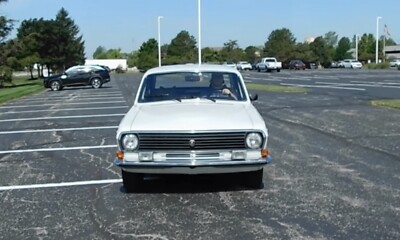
(254, 179)
(258, 69)
(56, 86)
(96, 83)
(132, 181)
(278, 70)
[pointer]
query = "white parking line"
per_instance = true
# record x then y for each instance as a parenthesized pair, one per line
(322, 86)
(73, 97)
(41, 105)
(264, 79)
(378, 83)
(69, 99)
(57, 130)
(356, 85)
(56, 149)
(63, 184)
(62, 117)
(64, 109)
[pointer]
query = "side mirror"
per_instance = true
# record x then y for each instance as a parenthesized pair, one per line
(255, 98)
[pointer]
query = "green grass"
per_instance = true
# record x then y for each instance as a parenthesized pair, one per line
(20, 87)
(394, 104)
(274, 88)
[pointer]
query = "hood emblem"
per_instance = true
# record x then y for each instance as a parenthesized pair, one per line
(192, 143)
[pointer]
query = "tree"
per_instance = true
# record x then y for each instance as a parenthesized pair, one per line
(342, 50)
(302, 51)
(250, 54)
(210, 55)
(390, 42)
(331, 38)
(280, 44)
(71, 50)
(182, 49)
(133, 59)
(100, 51)
(231, 51)
(321, 51)
(147, 55)
(366, 47)
(6, 26)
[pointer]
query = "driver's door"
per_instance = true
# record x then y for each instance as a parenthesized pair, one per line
(79, 76)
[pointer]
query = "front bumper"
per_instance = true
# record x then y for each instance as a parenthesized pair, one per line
(192, 167)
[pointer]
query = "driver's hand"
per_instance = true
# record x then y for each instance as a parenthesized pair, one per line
(226, 91)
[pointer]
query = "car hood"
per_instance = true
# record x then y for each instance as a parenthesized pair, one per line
(57, 76)
(192, 117)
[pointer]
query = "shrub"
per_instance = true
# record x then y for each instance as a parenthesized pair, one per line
(119, 69)
(5, 75)
(378, 66)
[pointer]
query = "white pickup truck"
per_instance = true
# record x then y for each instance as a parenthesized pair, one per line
(268, 64)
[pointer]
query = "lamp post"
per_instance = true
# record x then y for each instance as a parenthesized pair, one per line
(377, 39)
(199, 29)
(159, 40)
(357, 46)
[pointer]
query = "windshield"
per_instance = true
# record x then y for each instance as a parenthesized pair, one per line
(178, 86)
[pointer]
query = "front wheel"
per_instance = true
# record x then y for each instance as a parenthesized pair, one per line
(132, 181)
(96, 83)
(55, 86)
(278, 70)
(254, 179)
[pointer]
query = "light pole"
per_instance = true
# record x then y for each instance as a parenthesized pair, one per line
(357, 46)
(199, 29)
(377, 39)
(159, 40)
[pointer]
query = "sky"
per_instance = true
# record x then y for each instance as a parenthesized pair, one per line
(126, 24)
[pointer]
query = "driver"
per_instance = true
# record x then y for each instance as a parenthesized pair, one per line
(217, 83)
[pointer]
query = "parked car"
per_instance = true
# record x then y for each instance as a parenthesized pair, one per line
(297, 65)
(244, 66)
(350, 63)
(230, 64)
(191, 119)
(313, 65)
(395, 63)
(335, 65)
(95, 76)
(268, 64)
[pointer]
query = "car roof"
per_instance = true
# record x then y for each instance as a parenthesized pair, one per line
(192, 68)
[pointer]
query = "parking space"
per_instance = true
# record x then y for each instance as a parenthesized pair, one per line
(60, 136)
(335, 171)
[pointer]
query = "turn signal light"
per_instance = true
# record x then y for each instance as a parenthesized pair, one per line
(264, 153)
(120, 156)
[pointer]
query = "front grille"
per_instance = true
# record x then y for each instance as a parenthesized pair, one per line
(191, 141)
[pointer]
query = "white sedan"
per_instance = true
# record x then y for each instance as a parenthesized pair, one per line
(350, 63)
(395, 63)
(244, 66)
(191, 119)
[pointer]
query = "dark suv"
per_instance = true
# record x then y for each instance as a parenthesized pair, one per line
(95, 76)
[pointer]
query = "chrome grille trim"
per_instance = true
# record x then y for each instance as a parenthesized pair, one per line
(182, 141)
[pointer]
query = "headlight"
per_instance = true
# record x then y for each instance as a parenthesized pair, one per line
(130, 142)
(253, 140)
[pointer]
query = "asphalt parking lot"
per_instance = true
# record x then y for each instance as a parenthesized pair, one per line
(335, 171)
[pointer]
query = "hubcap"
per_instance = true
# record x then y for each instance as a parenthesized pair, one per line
(55, 86)
(96, 83)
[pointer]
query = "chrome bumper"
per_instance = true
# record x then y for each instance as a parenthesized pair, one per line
(191, 164)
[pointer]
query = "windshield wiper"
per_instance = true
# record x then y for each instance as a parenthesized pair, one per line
(209, 98)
